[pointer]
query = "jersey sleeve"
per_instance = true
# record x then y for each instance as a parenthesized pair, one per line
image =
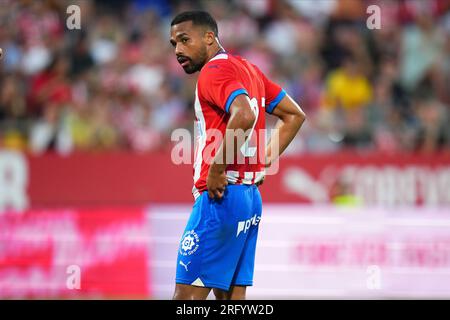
(219, 85)
(273, 93)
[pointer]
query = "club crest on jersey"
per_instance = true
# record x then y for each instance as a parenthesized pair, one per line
(189, 243)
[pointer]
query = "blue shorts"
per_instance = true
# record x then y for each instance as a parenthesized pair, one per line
(217, 249)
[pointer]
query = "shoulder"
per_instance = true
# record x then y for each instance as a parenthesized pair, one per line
(218, 66)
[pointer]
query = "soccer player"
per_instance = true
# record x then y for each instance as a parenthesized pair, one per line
(217, 248)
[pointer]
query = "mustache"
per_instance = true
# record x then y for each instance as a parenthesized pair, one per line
(182, 58)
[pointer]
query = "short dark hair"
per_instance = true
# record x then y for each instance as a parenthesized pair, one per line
(198, 18)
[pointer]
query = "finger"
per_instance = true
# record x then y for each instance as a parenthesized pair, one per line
(219, 194)
(261, 182)
(210, 194)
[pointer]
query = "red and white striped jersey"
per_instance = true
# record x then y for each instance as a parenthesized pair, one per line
(222, 79)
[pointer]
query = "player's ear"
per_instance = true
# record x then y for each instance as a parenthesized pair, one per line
(209, 37)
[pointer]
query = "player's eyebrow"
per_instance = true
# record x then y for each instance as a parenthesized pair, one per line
(173, 42)
(181, 34)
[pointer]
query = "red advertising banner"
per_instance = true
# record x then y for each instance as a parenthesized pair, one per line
(374, 179)
(112, 179)
(99, 253)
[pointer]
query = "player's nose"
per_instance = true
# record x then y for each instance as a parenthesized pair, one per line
(178, 50)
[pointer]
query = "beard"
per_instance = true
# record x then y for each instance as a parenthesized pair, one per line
(192, 67)
(197, 65)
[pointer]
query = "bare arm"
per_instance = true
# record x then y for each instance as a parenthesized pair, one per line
(291, 118)
(241, 117)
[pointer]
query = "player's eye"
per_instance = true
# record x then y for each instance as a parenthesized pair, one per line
(184, 40)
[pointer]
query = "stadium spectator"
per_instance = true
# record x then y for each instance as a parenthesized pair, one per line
(114, 84)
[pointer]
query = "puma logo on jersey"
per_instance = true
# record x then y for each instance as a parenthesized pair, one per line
(185, 265)
(244, 225)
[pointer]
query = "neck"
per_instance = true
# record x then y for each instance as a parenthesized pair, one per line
(215, 50)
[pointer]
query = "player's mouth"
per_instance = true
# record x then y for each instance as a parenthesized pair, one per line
(183, 61)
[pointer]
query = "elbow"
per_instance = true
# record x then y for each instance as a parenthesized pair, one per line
(251, 118)
(301, 117)
(298, 118)
(248, 118)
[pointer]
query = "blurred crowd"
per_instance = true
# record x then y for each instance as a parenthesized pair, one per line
(115, 83)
